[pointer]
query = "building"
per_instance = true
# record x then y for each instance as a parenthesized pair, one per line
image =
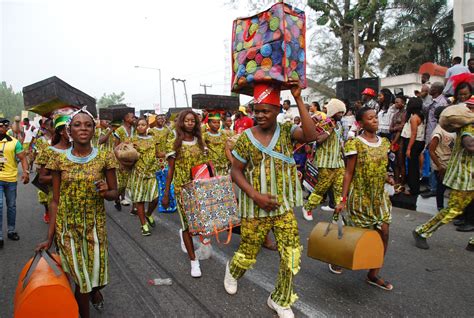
(406, 83)
(463, 29)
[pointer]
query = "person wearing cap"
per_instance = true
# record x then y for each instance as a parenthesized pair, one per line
(10, 151)
(369, 99)
(459, 177)
(329, 157)
(242, 120)
(265, 170)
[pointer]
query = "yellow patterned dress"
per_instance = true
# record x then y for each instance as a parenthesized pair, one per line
(41, 144)
(190, 155)
(368, 203)
(123, 174)
(216, 144)
(161, 135)
(142, 182)
(42, 160)
(80, 222)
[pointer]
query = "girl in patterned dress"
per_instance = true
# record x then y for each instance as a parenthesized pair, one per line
(142, 182)
(215, 141)
(59, 143)
(184, 152)
(83, 177)
(363, 190)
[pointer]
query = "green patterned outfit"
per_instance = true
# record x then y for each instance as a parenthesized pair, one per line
(42, 160)
(80, 222)
(216, 145)
(41, 144)
(190, 155)
(109, 144)
(123, 174)
(272, 170)
(330, 165)
(460, 178)
(368, 203)
(161, 135)
(142, 182)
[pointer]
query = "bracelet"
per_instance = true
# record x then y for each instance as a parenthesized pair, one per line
(343, 199)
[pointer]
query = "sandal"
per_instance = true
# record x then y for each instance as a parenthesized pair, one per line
(380, 283)
(97, 305)
(335, 269)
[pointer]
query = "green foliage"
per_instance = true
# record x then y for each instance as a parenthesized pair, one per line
(110, 99)
(11, 102)
(423, 32)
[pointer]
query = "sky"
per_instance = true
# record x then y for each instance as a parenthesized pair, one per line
(94, 46)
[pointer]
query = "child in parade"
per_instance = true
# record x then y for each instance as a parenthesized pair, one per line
(184, 151)
(142, 182)
(160, 132)
(82, 178)
(265, 171)
(329, 157)
(459, 177)
(215, 141)
(363, 192)
(42, 142)
(123, 134)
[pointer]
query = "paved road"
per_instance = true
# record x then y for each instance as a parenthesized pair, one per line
(437, 282)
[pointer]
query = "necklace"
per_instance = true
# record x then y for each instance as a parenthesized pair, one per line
(80, 155)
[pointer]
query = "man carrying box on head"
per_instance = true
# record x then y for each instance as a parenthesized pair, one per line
(265, 171)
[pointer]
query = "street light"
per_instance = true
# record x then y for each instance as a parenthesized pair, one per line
(159, 74)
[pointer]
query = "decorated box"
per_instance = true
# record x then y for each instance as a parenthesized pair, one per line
(210, 205)
(269, 47)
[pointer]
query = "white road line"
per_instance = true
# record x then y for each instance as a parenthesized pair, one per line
(254, 276)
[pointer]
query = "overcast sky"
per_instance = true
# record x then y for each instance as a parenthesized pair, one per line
(94, 46)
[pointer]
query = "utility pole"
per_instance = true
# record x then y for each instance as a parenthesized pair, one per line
(185, 92)
(356, 50)
(174, 93)
(205, 87)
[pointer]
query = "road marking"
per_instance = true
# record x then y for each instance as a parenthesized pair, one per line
(254, 276)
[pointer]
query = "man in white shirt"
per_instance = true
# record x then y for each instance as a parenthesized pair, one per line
(285, 115)
(456, 69)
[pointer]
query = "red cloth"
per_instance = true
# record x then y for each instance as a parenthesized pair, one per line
(242, 123)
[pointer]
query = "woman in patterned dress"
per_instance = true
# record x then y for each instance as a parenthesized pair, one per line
(363, 191)
(184, 152)
(59, 143)
(142, 182)
(82, 178)
(215, 140)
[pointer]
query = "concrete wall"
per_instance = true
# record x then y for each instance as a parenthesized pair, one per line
(463, 16)
(409, 82)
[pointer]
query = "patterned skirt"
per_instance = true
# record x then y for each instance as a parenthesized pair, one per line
(142, 188)
(122, 179)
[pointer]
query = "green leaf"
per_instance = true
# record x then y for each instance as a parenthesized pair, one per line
(322, 20)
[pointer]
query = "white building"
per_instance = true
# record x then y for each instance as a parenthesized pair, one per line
(463, 29)
(409, 83)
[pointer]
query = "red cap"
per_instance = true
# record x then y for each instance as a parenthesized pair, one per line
(265, 93)
(369, 91)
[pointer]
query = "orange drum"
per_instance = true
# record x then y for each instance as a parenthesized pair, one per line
(43, 289)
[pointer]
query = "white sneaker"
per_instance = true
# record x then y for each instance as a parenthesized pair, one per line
(327, 208)
(195, 269)
(283, 312)
(183, 247)
(230, 283)
(308, 215)
(125, 202)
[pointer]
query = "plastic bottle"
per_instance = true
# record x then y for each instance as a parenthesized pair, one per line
(160, 281)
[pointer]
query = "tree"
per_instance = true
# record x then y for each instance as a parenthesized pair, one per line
(423, 33)
(11, 102)
(110, 99)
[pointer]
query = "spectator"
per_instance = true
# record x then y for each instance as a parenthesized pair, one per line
(470, 65)
(314, 108)
(242, 121)
(440, 147)
(386, 112)
(29, 132)
(413, 134)
(425, 78)
(368, 98)
(297, 120)
(15, 130)
(10, 151)
(347, 122)
(462, 92)
(285, 115)
(425, 95)
(396, 127)
(456, 69)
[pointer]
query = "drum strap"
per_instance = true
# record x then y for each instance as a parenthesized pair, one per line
(48, 258)
(340, 224)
